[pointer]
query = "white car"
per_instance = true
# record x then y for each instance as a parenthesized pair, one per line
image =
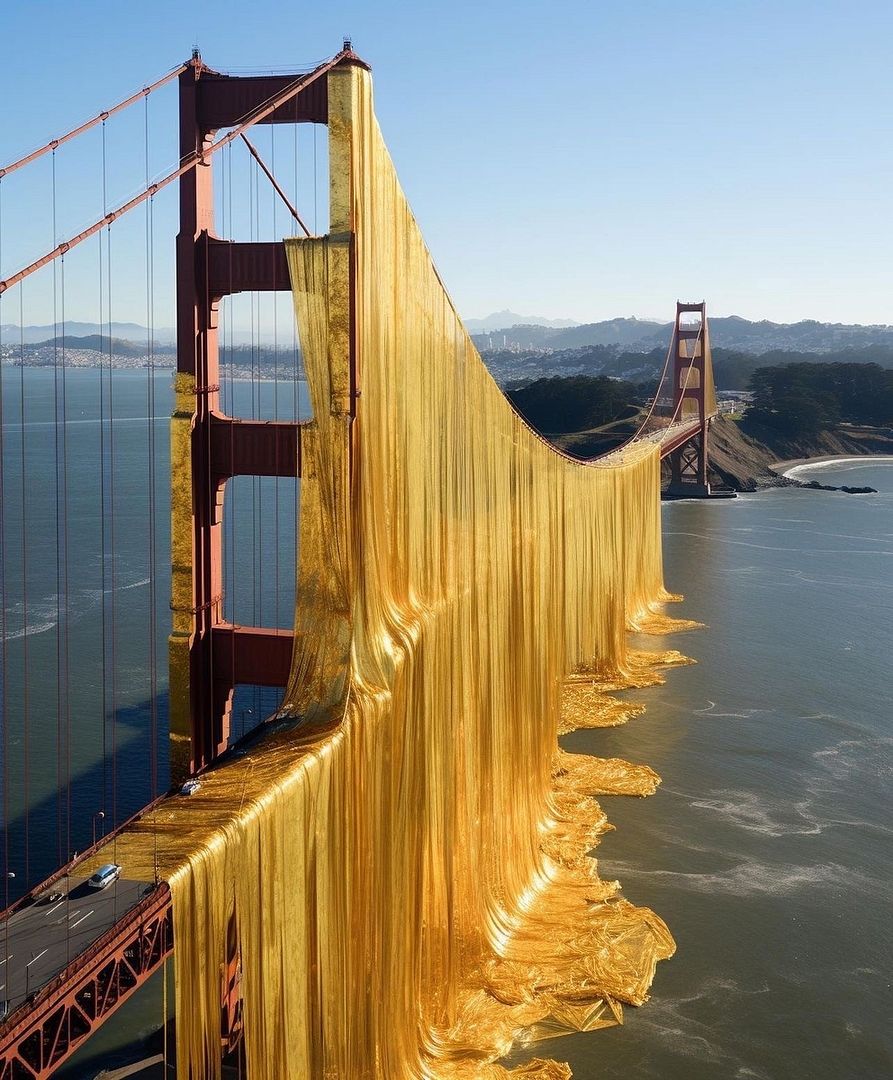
(104, 876)
(190, 787)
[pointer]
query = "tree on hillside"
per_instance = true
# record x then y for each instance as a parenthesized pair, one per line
(802, 399)
(578, 403)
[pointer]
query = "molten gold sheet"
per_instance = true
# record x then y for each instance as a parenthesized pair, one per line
(407, 867)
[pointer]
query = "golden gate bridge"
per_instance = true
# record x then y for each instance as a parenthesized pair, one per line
(58, 997)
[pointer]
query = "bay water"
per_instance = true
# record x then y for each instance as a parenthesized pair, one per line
(768, 849)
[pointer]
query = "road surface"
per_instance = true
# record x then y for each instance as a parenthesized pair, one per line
(40, 939)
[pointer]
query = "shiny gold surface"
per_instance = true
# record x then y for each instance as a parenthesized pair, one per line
(407, 864)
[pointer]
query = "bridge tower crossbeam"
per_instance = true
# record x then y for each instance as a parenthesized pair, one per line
(209, 656)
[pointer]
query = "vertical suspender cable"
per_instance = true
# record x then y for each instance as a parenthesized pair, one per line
(26, 697)
(4, 713)
(296, 414)
(257, 500)
(66, 583)
(112, 549)
(57, 525)
(64, 621)
(276, 239)
(150, 410)
(231, 512)
(209, 484)
(252, 169)
(102, 498)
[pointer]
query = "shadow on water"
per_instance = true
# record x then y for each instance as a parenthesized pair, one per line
(117, 790)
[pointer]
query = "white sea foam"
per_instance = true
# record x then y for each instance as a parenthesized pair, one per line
(710, 712)
(866, 757)
(33, 629)
(751, 878)
(853, 461)
(135, 584)
(43, 613)
(669, 1019)
(787, 550)
(747, 810)
(41, 617)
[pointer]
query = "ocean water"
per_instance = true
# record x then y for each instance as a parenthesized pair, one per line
(85, 597)
(768, 849)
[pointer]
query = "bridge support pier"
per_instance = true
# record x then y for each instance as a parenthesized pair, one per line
(688, 469)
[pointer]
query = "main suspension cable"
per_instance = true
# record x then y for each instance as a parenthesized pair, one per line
(100, 118)
(191, 161)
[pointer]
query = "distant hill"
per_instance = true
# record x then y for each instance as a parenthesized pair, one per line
(730, 332)
(99, 343)
(123, 331)
(732, 368)
(628, 335)
(501, 319)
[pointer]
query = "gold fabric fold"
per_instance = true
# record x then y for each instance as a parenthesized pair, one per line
(405, 865)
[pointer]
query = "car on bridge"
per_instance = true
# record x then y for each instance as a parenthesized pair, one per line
(104, 876)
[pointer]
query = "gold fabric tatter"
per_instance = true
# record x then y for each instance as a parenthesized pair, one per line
(405, 867)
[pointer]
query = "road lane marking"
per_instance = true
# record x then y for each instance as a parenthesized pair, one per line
(55, 907)
(2, 962)
(35, 958)
(87, 916)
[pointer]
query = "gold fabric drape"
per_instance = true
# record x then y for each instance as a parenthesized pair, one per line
(406, 865)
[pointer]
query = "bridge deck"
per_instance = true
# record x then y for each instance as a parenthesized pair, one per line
(48, 952)
(672, 437)
(51, 1023)
(42, 939)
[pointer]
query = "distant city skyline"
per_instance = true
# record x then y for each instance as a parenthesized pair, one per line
(579, 161)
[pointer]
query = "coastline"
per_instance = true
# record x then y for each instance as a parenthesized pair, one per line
(747, 458)
(795, 465)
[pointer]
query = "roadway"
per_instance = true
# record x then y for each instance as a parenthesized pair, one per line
(39, 940)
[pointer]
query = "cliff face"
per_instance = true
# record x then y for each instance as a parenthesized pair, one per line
(742, 455)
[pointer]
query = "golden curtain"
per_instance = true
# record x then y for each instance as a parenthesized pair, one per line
(406, 862)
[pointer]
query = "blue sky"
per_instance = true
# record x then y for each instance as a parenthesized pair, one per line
(580, 160)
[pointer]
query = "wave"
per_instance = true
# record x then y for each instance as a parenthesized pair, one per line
(869, 757)
(670, 1020)
(749, 811)
(43, 613)
(785, 550)
(752, 878)
(33, 628)
(855, 461)
(12, 426)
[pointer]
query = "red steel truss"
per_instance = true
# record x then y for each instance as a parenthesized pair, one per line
(688, 458)
(47, 1030)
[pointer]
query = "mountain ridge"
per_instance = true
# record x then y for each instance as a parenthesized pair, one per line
(629, 333)
(729, 331)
